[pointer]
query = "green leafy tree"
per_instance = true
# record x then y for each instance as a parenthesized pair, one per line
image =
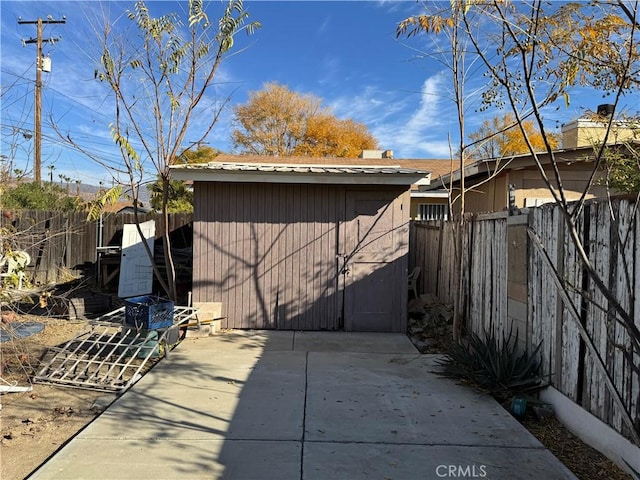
(31, 196)
(157, 78)
(623, 169)
(180, 198)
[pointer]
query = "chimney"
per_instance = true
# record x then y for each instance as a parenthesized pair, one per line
(605, 110)
(376, 154)
(371, 154)
(589, 130)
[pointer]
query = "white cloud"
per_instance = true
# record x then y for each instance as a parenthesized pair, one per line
(371, 106)
(424, 133)
(412, 125)
(408, 127)
(324, 27)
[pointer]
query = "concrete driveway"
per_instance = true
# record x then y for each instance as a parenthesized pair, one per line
(301, 405)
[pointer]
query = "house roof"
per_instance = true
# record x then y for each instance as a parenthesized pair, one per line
(516, 162)
(437, 167)
(434, 166)
(263, 169)
(124, 206)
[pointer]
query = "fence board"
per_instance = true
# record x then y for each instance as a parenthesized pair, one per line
(448, 281)
(567, 382)
(536, 276)
(596, 320)
(624, 237)
(635, 314)
(613, 234)
(64, 244)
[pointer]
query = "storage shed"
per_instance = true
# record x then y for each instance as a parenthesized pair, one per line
(302, 243)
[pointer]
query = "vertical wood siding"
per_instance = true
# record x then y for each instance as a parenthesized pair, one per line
(268, 253)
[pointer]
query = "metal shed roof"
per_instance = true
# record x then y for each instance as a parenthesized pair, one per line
(267, 172)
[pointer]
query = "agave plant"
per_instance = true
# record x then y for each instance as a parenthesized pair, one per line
(493, 364)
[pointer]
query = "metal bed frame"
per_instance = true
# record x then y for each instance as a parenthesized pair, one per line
(110, 355)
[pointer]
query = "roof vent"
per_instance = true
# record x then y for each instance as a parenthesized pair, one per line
(605, 110)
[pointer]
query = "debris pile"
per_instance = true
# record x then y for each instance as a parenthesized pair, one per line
(430, 323)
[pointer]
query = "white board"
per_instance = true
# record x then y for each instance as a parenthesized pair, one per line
(136, 271)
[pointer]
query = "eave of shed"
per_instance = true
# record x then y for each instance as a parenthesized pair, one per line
(346, 174)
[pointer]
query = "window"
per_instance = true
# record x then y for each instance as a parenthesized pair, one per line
(536, 202)
(433, 211)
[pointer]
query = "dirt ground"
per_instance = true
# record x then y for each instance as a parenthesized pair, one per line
(37, 423)
(585, 462)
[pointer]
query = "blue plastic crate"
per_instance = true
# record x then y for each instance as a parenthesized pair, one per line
(148, 312)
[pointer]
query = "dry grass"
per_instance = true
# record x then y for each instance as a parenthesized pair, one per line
(585, 462)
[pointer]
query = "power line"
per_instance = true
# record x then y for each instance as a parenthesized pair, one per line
(38, 41)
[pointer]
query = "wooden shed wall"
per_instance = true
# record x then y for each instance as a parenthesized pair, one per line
(302, 256)
(268, 253)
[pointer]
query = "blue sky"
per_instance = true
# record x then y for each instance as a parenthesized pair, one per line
(344, 52)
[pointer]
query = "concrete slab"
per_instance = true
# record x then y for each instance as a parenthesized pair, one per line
(183, 459)
(223, 395)
(395, 399)
(245, 340)
(352, 342)
(381, 461)
(285, 405)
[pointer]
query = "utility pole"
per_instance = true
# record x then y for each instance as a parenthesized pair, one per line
(37, 159)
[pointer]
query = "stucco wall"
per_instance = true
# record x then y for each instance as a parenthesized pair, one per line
(415, 201)
(493, 195)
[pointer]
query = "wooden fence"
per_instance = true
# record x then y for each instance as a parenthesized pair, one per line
(432, 247)
(63, 245)
(508, 282)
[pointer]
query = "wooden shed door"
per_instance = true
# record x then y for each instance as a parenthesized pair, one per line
(372, 250)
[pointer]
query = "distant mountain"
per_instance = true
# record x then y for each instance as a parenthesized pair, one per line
(84, 191)
(88, 192)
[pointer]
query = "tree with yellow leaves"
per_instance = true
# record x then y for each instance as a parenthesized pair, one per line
(501, 137)
(279, 122)
(328, 136)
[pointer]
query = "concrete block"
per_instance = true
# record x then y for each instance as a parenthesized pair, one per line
(592, 430)
(208, 310)
(199, 332)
